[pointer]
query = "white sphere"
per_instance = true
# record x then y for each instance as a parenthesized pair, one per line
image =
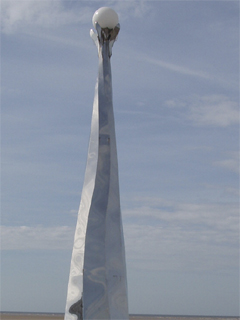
(105, 17)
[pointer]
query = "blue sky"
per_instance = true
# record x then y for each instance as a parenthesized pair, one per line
(175, 90)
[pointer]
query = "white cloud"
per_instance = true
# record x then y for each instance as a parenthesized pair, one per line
(24, 15)
(175, 249)
(216, 110)
(225, 191)
(231, 164)
(130, 8)
(26, 237)
(221, 217)
(159, 235)
(177, 68)
(211, 110)
(186, 71)
(164, 235)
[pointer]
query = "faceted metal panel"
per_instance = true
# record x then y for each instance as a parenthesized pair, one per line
(97, 286)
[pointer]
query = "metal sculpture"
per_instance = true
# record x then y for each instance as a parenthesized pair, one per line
(97, 287)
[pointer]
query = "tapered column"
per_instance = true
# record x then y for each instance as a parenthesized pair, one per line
(97, 286)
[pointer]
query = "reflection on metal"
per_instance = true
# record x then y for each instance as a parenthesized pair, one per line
(100, 292)
(76, 309)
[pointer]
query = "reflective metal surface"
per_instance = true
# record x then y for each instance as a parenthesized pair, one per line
(100, 291)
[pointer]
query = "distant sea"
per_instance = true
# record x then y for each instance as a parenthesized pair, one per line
(60, 316)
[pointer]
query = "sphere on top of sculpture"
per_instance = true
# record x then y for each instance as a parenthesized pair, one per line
(105, 17)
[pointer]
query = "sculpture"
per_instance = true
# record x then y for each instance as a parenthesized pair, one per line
(97, 286)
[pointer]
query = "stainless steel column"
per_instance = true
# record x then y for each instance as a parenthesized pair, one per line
(97, 286)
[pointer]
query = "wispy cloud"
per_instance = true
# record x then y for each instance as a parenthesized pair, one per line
(231, 163)
(177, 68)
(209, 110)
(24, 15)
(126, 9)
(159, 235)
(28, 237)
(164, 235)
(60, 40)
(175, 249)
(216, 110)
(184, 70)
(211, 215)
